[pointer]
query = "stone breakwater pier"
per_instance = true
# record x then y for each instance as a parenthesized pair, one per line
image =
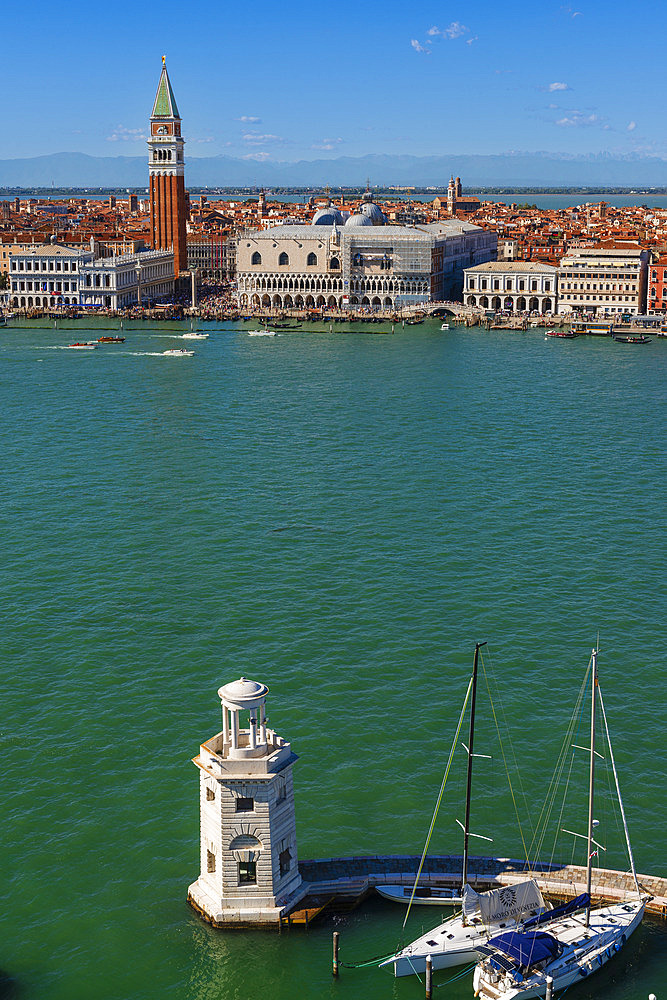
(250, 875)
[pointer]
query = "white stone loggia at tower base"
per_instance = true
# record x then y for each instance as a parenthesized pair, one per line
(249, 872)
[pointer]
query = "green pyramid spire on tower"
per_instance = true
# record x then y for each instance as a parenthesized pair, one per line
(165, 102)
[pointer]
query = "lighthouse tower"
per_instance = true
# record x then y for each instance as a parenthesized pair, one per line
(249, 872)
(166, 169)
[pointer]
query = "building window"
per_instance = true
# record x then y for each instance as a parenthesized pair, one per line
(285, 861)
(256, 258)
(245, 805)
(210, 794)
(210, 861)
(247, 872)
(282, 790)
(283, 259)
(311, 260)
(334, 264)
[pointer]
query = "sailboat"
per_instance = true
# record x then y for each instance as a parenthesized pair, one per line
(456, 941)
(572, 941)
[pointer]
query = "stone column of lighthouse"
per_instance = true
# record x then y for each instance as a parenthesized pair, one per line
(249, 871)
(166, 170)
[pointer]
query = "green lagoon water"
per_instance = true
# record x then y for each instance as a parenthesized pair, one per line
(341, 516)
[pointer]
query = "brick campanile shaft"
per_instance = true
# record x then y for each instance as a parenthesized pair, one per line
(166, 169)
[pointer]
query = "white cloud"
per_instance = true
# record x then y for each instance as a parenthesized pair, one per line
(208, 138)
(632, 126)
(579, 118)
(260, 157)
(474, 38)
(557, 86)
(433, 31)
(249, 120)
(255, 139)
(327, 143)
(454, 30)
(123, 134)
(419, 48)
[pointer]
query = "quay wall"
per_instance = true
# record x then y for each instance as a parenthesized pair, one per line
(349, 880)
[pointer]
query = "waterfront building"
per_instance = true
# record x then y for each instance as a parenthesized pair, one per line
(343, 260)
(127, 280)
(50, 276)
(213, 256)
(603, 280)
(166, 168)
(512, 286)
(248, 856)
(657, 286)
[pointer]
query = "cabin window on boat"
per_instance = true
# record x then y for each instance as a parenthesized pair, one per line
(245, 805)
(210, 861)
(285, 861)
(247, 872)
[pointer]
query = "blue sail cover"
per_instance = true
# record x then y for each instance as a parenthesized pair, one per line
(578, 903)
(526, 949)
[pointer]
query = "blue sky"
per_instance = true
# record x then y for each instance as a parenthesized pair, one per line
(269, 81)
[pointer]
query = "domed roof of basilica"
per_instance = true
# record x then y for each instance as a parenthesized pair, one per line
(359, 219)
(370, 209)
(328, 216)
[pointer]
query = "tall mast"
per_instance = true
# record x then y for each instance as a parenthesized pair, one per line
(594, 695)
(471, 737)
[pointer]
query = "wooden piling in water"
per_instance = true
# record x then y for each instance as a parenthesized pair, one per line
(428, 978)
(335, 954)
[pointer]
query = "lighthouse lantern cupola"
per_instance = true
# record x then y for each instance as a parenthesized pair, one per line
(243, 700)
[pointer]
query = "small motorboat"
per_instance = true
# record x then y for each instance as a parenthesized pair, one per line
(194, 336)
(178, 352)
(111, 340)
(563, 334)
(88, 346)
(430, 895)
(445, 326)
(262, 333)
(641, 339)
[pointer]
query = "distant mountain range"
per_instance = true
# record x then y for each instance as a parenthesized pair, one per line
(520, 169)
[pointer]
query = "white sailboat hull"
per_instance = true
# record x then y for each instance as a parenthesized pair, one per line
(610, 927)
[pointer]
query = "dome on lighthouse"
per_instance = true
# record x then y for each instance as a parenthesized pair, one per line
(242, 691)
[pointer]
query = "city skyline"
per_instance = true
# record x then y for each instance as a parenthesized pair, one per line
(296, 84)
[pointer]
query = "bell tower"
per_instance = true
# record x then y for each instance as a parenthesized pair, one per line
(166, 169)
(248, 860)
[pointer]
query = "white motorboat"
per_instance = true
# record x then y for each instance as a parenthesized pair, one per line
(574, 940)
(445, 326)
(262, 333)
(427, 895)
(194, 336)
(178, 352)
